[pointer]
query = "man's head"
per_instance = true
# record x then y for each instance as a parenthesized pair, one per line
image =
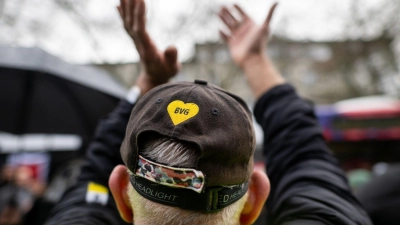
(189, 152)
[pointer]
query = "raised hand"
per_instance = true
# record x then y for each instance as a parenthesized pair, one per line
(247, 42)
(157, 67)
(246, 39)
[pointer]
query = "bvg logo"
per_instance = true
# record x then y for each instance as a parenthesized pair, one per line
(179, 111)
(182, 111)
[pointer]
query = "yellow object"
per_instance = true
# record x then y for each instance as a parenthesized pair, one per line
(93, 187)
(97, 193)
(180, 111)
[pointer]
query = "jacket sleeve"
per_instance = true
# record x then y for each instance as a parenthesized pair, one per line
(89, 201)
(307, 184)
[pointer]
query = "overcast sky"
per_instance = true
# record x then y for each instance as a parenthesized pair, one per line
(93, 33)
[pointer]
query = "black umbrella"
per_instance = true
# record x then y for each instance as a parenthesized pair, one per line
(48, 104)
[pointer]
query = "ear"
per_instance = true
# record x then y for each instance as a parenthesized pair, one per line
(258, 192)
(118, 183)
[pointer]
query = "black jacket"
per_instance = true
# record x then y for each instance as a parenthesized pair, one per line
(102, 156)
(307, 185)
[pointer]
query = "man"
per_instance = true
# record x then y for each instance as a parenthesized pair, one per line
(188, 147)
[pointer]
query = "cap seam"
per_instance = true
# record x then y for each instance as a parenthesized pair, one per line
(185, 101)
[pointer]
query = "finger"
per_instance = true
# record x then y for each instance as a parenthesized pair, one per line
(130, 18)
(125, 10)
(140, 16)
(171, 55)
(241, 12)
(224, 36)
(269, 17)
(229, 15)
(227, 18)
(121, 9)
(140, 24)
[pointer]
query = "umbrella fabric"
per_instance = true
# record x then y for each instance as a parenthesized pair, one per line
(35, 59)
(39, 98)
(35, 102)
(50, 106)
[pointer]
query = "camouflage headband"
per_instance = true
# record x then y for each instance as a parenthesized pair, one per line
(170, 176)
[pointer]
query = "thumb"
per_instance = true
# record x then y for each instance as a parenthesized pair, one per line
(171, 54)
(269, 17)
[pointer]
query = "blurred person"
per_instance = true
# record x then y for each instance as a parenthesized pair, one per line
(187, 148)
(15, 199)
(7, 173)
(28, 171)
(23, 182)
(381, 196)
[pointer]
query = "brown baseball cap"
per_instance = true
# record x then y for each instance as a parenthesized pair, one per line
(217, 122)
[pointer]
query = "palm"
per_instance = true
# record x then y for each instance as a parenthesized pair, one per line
(161, 66)
(246, 38)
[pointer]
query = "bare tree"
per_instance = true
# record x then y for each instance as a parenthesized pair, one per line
(375, 30)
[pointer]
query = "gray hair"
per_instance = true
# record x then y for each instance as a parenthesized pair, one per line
(170, 152)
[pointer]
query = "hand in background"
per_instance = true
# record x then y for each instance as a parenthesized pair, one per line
(247, 43)
(157, 67)
(246, 38)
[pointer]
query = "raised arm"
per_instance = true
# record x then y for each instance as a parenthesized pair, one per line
(307, 184)
(247, 42)
(156, 68)
(90, 201)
